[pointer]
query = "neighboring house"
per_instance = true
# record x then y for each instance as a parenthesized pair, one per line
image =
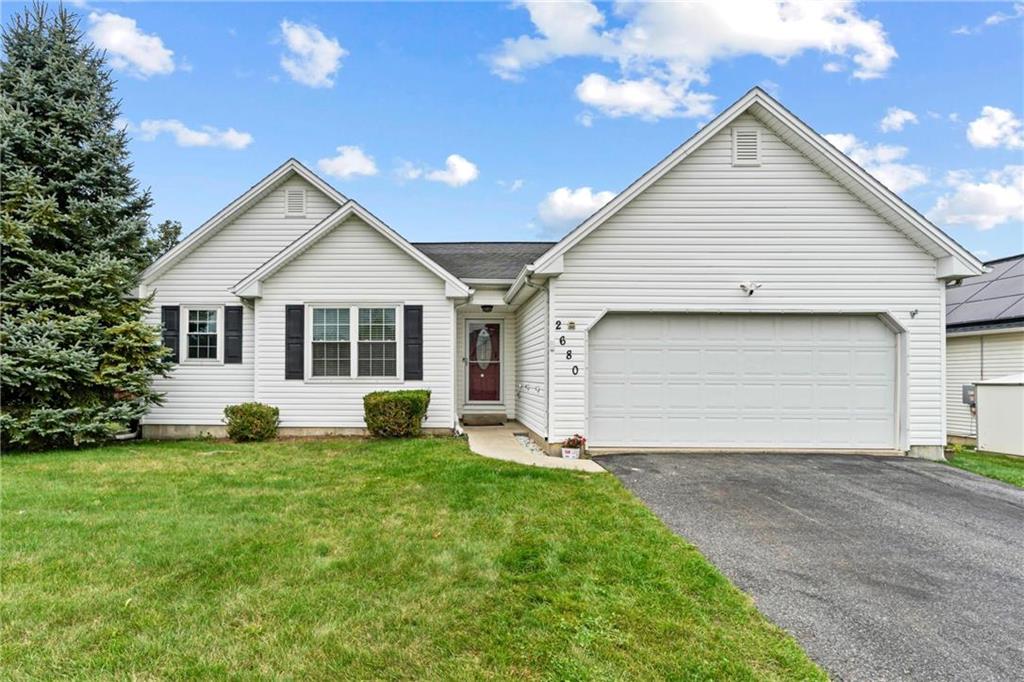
(984, 336)
(756, 289)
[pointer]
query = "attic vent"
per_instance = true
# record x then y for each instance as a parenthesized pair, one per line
(746, 147)
(295, 202)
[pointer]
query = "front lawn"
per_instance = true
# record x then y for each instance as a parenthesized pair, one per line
(1004, 468)
(350, 559)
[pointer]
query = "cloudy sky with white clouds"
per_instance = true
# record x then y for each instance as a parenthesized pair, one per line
(515, 121)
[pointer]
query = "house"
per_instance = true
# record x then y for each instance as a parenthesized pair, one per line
(984, 337)
(755, 289)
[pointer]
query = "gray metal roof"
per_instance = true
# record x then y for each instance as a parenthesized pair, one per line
(995, 299)
(483, 260)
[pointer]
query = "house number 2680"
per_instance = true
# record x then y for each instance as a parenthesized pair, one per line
(568, 352)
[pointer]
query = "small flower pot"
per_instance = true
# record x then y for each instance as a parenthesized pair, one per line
(571, 453)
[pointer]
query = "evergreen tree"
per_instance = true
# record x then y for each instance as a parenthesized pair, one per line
(162, 239)
(77, 360)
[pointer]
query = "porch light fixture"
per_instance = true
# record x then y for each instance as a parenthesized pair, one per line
(487, 308)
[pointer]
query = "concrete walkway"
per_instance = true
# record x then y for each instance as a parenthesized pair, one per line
(499, 442)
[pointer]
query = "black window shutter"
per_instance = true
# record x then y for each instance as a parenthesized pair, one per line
(170, 317)
(413, 353)
(232, 334)
(294, 341)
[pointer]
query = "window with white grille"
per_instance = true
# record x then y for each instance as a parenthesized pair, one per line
(295, 202)
(746, 147)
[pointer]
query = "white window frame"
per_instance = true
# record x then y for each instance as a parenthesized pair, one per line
(305, 198)
(353, 333)
(183, 324)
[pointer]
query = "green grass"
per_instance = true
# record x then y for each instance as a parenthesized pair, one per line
(353, 559)
(1000, 467)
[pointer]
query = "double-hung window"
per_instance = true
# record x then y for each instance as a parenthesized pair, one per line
(347, 341)
(378, 344)
(332, 347)
(202, 334)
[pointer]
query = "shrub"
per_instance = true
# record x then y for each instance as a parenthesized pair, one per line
(395, 414)
(251, 421)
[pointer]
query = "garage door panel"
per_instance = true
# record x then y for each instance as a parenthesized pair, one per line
(721, 362)
(833, 363)
(682, 363)
(794, 363)
(643, 362)
(682, 395)
(794, 381)
(758, 362)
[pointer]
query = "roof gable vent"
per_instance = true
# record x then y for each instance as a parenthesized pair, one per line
(295, 202)
(746, 147)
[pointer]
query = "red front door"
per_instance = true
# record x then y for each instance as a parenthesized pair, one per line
(484, 365)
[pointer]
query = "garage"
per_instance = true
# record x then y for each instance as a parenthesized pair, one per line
(772, 381)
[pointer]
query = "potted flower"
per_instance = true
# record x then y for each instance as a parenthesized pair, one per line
(572, 446)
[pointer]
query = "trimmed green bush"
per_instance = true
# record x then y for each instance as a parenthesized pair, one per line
(395, 414)
(251, 421)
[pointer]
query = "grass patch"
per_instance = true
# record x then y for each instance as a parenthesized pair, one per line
(1004, 468)
(356, 559)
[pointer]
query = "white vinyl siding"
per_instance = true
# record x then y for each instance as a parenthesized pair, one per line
(532, 363)
(196, 394)
(353, 263)
(974, 358)
(688, 241)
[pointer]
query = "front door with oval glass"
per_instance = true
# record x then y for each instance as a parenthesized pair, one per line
(483, 364)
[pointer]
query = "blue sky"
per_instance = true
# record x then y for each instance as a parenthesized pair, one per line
(505, 121)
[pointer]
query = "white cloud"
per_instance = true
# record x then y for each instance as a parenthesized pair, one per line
(996, 128)
(207, 136)
(129, 49)
(880, 161)
(512, 185)
(565, 207)
(349, 162)
(664, 50)
(991, 20)
(833, 67)
(407, 170)
(895, 119)
(996, 199)
(312, 57)
(457, 171)
(585, 119)
(646, 98)
(1000, 17)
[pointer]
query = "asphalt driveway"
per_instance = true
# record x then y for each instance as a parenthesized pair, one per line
(883, 568)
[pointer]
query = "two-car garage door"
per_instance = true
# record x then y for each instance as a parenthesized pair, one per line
(742, 381)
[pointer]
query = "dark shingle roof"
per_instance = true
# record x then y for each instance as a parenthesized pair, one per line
(995, 299)
(483, 260)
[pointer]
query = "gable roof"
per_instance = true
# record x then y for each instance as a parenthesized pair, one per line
(479, 261)
(820, 151)
(234, 209)
(990, 301)
(250, 285)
